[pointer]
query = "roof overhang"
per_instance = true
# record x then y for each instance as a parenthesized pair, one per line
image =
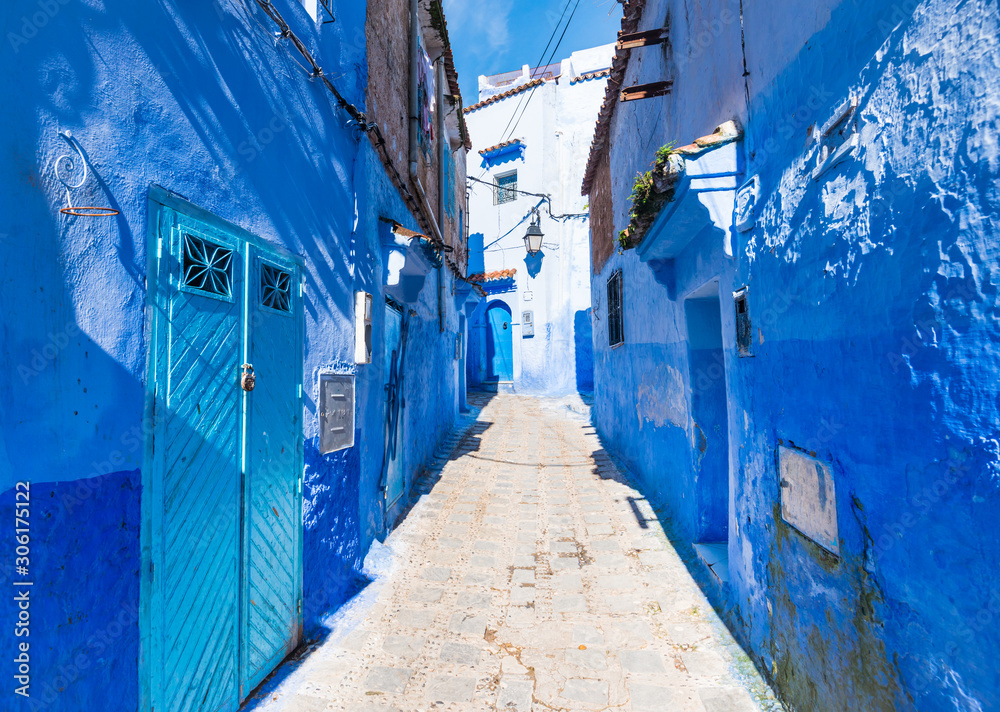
(631, 16)
(408, 257)
(703, 202)
(498, 155)
(434, 34)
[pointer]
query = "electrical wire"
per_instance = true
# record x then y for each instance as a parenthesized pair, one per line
(540, 64)
(548, 61)
(358, 117)
(546, 198)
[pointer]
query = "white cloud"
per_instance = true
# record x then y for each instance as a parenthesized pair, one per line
(482, 31)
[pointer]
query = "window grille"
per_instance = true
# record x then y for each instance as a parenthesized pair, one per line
(616, 331)
(207, 267)
(275, 288)
(506, 190)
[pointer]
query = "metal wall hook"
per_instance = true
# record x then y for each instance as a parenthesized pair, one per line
(68, 163)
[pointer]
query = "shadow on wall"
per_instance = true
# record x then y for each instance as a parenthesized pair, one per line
(85, 637)
(332, 552)
(84, 640)
(533, 263)
(583, 337)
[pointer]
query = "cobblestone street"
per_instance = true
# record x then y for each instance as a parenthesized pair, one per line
(528, 576)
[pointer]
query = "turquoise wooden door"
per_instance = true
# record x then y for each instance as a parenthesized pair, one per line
(271, 591)
(221, 529)
(198, 432)
(393, 350)
(500, 344)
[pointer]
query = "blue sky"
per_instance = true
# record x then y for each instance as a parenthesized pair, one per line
(489, 38)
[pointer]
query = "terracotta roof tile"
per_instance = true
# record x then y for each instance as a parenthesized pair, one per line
(688, 150)
(499, 146)
(452, 74)
(724, 133)
(405, 232)
(504, 95)
(630, 22)
(591, 75)
(492, 276)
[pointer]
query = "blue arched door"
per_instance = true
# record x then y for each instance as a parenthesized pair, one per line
(499, 342)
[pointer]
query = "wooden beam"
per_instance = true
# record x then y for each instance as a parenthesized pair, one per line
(646, 38)
(645, 91)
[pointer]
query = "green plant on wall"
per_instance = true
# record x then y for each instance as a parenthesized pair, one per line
(663, 153)
(650, 192)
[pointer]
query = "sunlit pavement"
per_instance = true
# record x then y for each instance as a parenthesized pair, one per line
(530, 576)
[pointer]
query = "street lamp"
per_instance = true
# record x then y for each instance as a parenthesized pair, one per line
(533, 237)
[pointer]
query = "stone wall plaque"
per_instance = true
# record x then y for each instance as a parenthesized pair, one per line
(809, 497)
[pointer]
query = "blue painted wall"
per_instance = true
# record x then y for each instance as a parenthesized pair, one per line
(197, 98)
(873, 301)
(429, 365)
(82, 637)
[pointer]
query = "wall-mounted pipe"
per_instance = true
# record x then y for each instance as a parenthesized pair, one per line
(414, 129)
(442, 182)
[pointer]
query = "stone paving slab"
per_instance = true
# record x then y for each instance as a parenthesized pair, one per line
(529, 576)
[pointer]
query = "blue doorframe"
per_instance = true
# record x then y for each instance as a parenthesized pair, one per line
(499, 342)
(709, 414)
(393, 353)
(201, 469)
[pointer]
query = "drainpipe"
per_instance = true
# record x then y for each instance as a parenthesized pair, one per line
(414, 106)
(442, 157)
(414, 128)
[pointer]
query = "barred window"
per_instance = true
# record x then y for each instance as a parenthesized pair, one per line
(506, 190)
(616, 332)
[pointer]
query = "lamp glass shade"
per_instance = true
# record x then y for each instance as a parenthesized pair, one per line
(533, 238)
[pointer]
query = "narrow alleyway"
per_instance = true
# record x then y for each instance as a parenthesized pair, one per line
(529, 576)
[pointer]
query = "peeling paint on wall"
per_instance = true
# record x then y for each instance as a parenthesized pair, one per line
(661, 398)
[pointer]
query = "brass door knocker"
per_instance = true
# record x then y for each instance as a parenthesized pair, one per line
(248, 380)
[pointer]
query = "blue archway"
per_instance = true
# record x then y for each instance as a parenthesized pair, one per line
(499, 342)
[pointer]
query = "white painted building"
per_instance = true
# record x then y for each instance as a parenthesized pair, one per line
(532, 130)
